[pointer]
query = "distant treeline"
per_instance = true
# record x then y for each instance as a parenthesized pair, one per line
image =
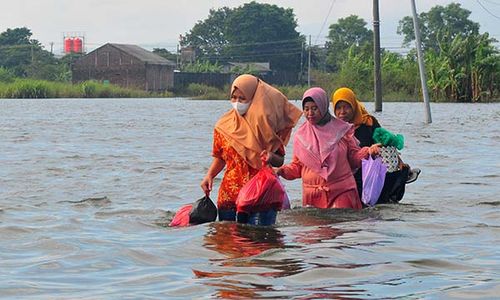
(462, 64)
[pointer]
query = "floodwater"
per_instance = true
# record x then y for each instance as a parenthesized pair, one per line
(87, 188)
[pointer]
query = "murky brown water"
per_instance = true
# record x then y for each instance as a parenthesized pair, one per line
(87, 186)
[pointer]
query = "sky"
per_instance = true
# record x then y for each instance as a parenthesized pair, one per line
(158, 23)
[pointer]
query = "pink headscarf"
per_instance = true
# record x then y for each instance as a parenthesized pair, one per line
(315, 145)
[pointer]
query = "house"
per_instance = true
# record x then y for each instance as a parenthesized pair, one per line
(129, 66)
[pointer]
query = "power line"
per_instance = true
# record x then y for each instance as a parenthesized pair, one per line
(229, 57)
(493, 15)
(266, 43)
(324, 22)
(492, 2)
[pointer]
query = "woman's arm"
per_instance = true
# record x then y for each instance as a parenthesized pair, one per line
(217, 165)
(291, 171)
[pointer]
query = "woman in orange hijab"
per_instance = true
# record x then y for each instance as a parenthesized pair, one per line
(257, 129)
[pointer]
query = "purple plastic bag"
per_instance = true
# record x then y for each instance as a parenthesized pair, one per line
(373, 171)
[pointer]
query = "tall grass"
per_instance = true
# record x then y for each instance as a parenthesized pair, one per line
(205, 92)
(29, 88)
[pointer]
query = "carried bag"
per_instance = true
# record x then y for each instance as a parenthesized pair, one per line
(201, 211)
(262, 193)
(373, 176)
(390, 158)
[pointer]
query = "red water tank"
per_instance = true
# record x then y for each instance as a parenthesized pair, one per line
(68, 45)
(77, 45)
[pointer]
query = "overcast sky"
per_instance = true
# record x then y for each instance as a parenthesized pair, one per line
(158, 23)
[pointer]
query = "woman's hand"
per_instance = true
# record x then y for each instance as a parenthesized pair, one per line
(374, 149)
(265, 156)
(272, 159)
(208, 181)
(206, 185)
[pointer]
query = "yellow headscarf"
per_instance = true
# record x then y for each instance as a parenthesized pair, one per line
(266, 125)
(361, 116)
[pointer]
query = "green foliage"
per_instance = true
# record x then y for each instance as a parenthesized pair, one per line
(440, 24)
(202, 91)
(356, 71)
(202, 67)
(464, 69)
(165, 54)
(208, 36)
(400, 74)
(293, 92)
(347, 35)
(29, 88)
(6, 75)
(24, 57)
(248, 69)
(229, 34)
(276, 39)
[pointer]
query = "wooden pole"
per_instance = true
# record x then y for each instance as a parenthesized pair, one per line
(377, 74)
(309, 65)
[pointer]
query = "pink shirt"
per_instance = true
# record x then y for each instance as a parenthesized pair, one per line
(339, 190)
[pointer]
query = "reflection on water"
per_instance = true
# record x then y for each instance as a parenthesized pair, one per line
(245, 250)
(87, 188)
(235, 240)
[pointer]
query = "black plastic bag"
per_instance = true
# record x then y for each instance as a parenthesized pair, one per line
(203, 211)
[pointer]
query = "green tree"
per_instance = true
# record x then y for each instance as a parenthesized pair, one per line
(441, 24)
(208, 37)
(251, 32)
(17, 36)
(17, 49)
(347, 35)
(276, 39)
(165, 54)
(24, 56)
(462, 64)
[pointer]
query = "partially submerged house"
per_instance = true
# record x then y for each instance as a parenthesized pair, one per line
(129, 66)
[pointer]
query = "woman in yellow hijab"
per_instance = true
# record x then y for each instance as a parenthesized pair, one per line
(348, 108)
(257, 129)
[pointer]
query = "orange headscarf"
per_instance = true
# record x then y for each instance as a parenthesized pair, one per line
(361, 116)
(266, 125)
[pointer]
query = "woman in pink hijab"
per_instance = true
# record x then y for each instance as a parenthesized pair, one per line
(325, 153)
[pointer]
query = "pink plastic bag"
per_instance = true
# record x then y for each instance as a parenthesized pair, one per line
(262, 193)
(181, 218)
(373, 176)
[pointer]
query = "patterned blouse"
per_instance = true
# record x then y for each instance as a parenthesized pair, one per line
(237, 172)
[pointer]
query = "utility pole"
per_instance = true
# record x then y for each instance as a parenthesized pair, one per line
(376, 57)
(303, 44)
(51, 47)
(309, 65)
(177, 58)
(421, 65)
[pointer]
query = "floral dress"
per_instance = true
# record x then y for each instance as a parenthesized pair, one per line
(237, 173)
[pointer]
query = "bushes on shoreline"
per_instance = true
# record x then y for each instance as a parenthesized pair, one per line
(30, 88)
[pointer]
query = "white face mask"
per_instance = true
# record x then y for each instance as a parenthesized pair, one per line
(241, 108)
